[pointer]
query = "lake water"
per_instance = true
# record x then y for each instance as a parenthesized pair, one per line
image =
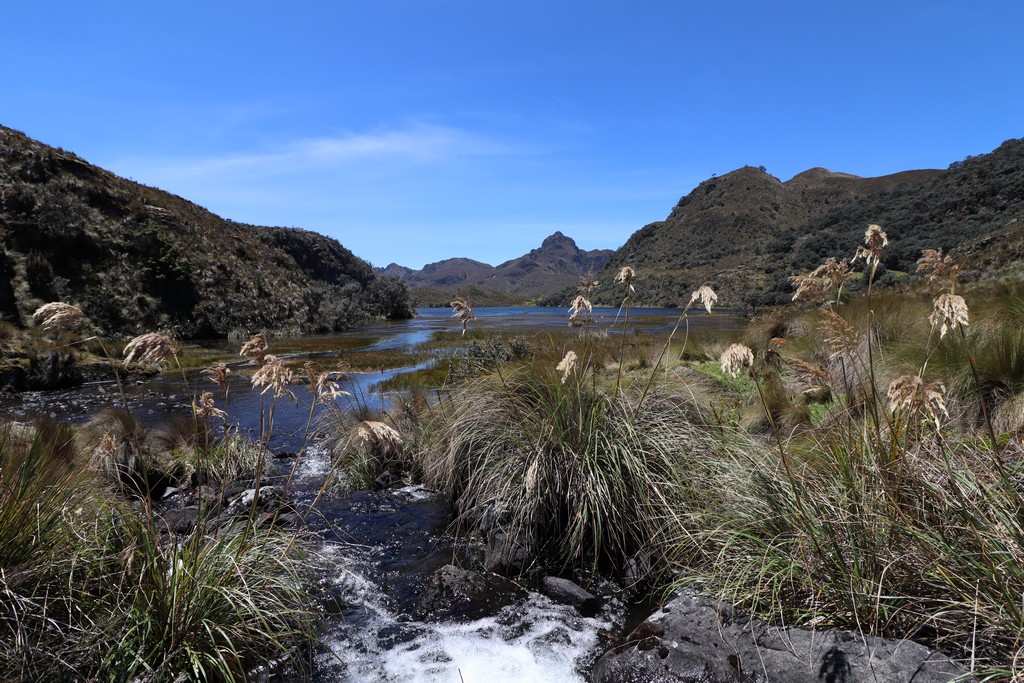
(384, 545)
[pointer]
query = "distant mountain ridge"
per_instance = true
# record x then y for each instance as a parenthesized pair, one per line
(557, 263)
(136, 258)
(746, 232)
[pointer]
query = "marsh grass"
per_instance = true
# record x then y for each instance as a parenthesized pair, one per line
(587, 475)
(894, 516)
(210, 606)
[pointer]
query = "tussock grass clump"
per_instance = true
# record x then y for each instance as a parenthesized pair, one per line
(208, 607)
(40, 493)
(368, 450)
(92, 589)
(586, 475)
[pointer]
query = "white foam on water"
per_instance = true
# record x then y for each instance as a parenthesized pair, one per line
(315, 462)
(537, 641)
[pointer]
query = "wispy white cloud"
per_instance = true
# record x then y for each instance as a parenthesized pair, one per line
(413, 145)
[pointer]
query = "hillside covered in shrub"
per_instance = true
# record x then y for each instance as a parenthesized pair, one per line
(135, 258)
(746, 232)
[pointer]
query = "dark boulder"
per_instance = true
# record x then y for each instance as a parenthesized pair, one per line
(570, 593)
(454, 594)
(698, 640)
(508, 554)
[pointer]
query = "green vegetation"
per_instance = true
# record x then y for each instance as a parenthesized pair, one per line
(855, 464)
(95, 589)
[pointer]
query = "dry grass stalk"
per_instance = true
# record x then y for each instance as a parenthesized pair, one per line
(735, 358)
(152, 347)
(705, 296)
(810, 377)
(205, 408)
(219, 374)
(273, 375)
(463, 311)
(587, 283)
(940, 272)
(876, 241)
(255, 349)
(625, 277)
(580, 309)
(567, 365)
(948, 310)
(379, 436)
(323, 385)
(59, 316)
(910, 395)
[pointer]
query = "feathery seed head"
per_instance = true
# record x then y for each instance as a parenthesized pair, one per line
(626, 276)
(205, 408)
(255, 349)
(567, 365)
(580, 309)
(837, 334)
(587, 283)
(219, 374)
(59, 316)
(948, 310)
(811, 377)
(273, 375)
(902, 393)
(152, 347)
(940, 272)
(909, 394)
(736, 357)
(323, 385)
(705, 296)
(807, 288)
(377, 435)
(832, 274)
(876, 241)
(463, 311)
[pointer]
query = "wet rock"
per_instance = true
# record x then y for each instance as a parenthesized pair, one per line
(570, 593)
(265, 499)
(181, 521)
(551, 643)
(13, 376)
(698, 640)
(507, 554)
(385, 479)
(454, 594)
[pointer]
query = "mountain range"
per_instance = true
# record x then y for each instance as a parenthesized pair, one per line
(136, 258)
(557, 263)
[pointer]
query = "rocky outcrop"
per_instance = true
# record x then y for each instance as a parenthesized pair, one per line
(698, 640)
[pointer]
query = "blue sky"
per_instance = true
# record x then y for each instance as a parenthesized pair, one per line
(419, 130)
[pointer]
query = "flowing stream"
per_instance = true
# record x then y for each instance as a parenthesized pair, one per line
(386, 543)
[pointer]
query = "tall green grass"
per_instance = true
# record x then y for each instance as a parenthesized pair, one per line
(92, 589)
(588, 475)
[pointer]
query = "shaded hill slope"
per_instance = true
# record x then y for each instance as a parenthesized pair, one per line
(136, 258)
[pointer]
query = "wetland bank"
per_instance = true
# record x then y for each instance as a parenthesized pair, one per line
(432, 499)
